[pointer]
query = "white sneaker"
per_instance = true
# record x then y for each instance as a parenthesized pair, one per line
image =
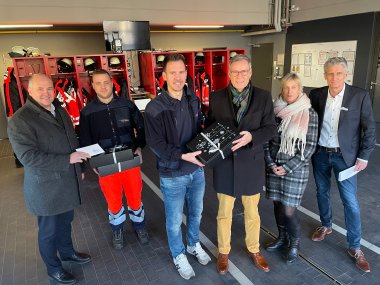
(183, 266)
(199, 253)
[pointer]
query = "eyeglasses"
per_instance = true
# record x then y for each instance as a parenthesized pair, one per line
(244, 73)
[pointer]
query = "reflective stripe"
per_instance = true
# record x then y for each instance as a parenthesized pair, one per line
(138, 215)
(114, 156)
(117, 219)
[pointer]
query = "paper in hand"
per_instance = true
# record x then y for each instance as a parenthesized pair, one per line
(92, 150)
(347, 173)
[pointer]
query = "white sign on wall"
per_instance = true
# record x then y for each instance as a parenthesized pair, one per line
(308, 60)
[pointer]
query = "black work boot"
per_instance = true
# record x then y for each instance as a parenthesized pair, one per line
(142, 235)
(293, 250)
(281, 241)
(118, 239)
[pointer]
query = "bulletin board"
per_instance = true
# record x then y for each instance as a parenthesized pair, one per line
(308, 60)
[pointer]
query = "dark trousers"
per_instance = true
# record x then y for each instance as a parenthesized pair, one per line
(54, 235)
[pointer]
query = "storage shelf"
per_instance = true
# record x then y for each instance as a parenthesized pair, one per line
(149, 71)
(25, 67)
(63, 74)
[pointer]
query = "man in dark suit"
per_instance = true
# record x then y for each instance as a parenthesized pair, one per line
(346, 138)
(43, 138)
(242, 174)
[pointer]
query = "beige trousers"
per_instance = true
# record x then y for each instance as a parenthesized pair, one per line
(251, 222)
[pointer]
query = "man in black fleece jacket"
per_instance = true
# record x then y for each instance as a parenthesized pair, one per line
(172, 120)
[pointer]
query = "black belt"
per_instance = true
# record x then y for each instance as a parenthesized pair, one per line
(329, 149)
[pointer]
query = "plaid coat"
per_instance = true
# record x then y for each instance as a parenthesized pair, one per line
(289, 189)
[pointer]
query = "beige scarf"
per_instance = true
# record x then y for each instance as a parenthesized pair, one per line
(294, 124)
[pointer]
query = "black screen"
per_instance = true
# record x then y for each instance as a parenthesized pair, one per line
(131, 35)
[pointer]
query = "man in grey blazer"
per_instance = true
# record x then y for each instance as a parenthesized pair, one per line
(347, 135)
(43, 138)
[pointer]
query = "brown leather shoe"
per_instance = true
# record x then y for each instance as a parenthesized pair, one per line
(320, 233)
(259, 261)
(360, 260)
(222, 263)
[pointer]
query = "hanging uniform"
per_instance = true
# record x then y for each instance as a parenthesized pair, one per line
(116, 87)
(12, 96)
(67, 96)
(205, 89)
(160, 81)
(120, 87)
(202, 88)
(86, 98)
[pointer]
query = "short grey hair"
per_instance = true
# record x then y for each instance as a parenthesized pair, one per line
(239, 57)
(334, 61)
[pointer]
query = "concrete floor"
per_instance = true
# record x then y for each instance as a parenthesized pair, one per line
(320, 263)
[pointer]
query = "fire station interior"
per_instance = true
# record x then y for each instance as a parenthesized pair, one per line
(267, 32)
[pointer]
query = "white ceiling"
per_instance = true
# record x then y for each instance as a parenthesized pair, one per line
(169, 12)
(162, 12)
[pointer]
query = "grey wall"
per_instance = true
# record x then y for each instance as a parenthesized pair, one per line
(278, 41)
(321, 9)
(358, 27)
(195, 41)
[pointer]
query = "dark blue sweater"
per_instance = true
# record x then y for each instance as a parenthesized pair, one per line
(116, 123)
(161, 126)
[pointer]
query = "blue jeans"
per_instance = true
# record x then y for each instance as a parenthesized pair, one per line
(323, 163)
(177, 191)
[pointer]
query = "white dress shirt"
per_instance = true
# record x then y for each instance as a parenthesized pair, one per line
(52, 110)
(329, 130)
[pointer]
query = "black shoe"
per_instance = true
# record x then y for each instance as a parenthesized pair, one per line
(282, 241)
(63, 277)
(78, 258)
(293, 250)
(118, 239)
(278, 244)
(142, 235)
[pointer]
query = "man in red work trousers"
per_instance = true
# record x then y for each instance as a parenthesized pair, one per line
(111, 121)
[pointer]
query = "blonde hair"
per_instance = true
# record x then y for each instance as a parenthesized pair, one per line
(291, 77)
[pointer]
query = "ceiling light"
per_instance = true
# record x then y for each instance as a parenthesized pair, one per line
(24, 26)
(198, 26)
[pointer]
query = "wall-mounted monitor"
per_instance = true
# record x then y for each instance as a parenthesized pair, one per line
(126, 35)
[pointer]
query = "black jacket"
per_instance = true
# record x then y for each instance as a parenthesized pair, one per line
(161, 132)
(243, 172)
(119, 122)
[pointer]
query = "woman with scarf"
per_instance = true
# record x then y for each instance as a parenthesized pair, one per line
(287, 157)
